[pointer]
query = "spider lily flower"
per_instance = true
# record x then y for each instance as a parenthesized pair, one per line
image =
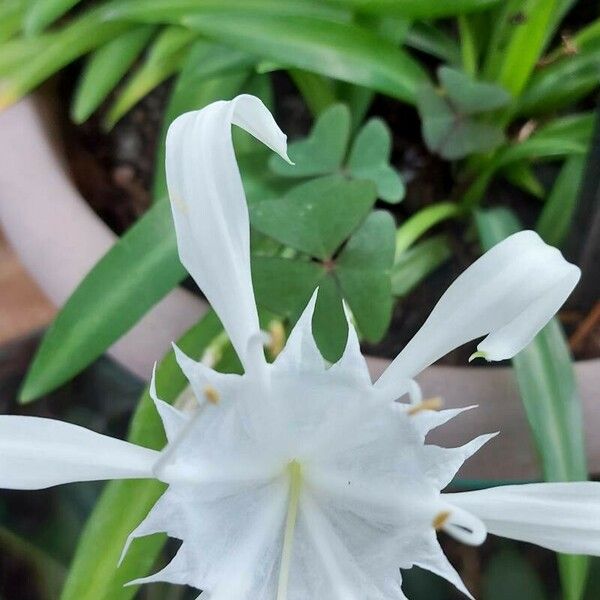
(299, 480)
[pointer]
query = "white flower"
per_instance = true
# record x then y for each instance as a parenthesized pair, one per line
(297, 480)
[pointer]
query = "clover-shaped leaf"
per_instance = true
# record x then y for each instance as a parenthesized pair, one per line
(323, 151)
(317, 216)
(369, 159)
(360, 275)
(470, 96)
(450, 133)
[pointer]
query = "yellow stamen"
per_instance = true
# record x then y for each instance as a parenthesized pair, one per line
(434, 403)
(211, 394)
(441, 519)
(276, 337)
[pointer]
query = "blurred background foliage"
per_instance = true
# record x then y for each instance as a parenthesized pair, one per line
(499, 91)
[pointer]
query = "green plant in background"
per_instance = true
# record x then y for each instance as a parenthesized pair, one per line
(503, 98)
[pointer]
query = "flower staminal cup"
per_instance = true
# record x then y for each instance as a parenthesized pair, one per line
(298, 480)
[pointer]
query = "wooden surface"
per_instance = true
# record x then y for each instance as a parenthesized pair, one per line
(23, 307)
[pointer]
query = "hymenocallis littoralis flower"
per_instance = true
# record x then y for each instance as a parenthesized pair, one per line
(298, 480)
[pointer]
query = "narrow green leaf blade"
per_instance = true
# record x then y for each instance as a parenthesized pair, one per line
(94, 574)
(422, 9)
(417, 263)
(135, 273)
(548, 389)
(59, 49)
(42, 13)
(105, 68)
(508, 574)
(165, 57)
(555, 219)
(338, 50)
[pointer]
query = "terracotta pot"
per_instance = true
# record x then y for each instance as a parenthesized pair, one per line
(59, 238)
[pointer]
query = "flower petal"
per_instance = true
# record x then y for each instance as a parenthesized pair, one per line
(210, 211)
(39, 453)
(173, 420)
(510, 293)
(564, 517)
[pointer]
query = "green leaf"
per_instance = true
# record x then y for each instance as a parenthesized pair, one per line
(105, 68)
(165, 57)
(451, 134)
(283, 285)
(522, 175)
(470, 96)
(175, 11)
(519, 40)
(94, 574)
(555, 219)
(414, 227)
(508, 574)
(330, 328)
(565, 136)
(334, 49)
(11, 18)
(318, 91)
(317, 216)
(417, 263)
(546, 380)
(363, 273)
(561, 83)
(323, 151)
(422, 9)
(369, 159)
(428, 38)
(41, 567)
(134, 274)
(58, 49)
(42, 13)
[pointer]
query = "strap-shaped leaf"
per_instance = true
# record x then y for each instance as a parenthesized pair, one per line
(104, 69)
(335, 49)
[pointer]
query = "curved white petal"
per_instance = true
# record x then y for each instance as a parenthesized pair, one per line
(37, 453)
(210, 211)
(509, 294)
(564, 517)
(301, 352)
(173, 420)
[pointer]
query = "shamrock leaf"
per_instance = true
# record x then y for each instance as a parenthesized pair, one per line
(317, 216)
(360, 275)
(323, 151)
(470, 96)
(369, 159)
(363, 272)
(450, 133)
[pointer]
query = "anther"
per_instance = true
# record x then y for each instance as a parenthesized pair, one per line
(211, 394)
(441, 519)
(276, 338)
(434, 403)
